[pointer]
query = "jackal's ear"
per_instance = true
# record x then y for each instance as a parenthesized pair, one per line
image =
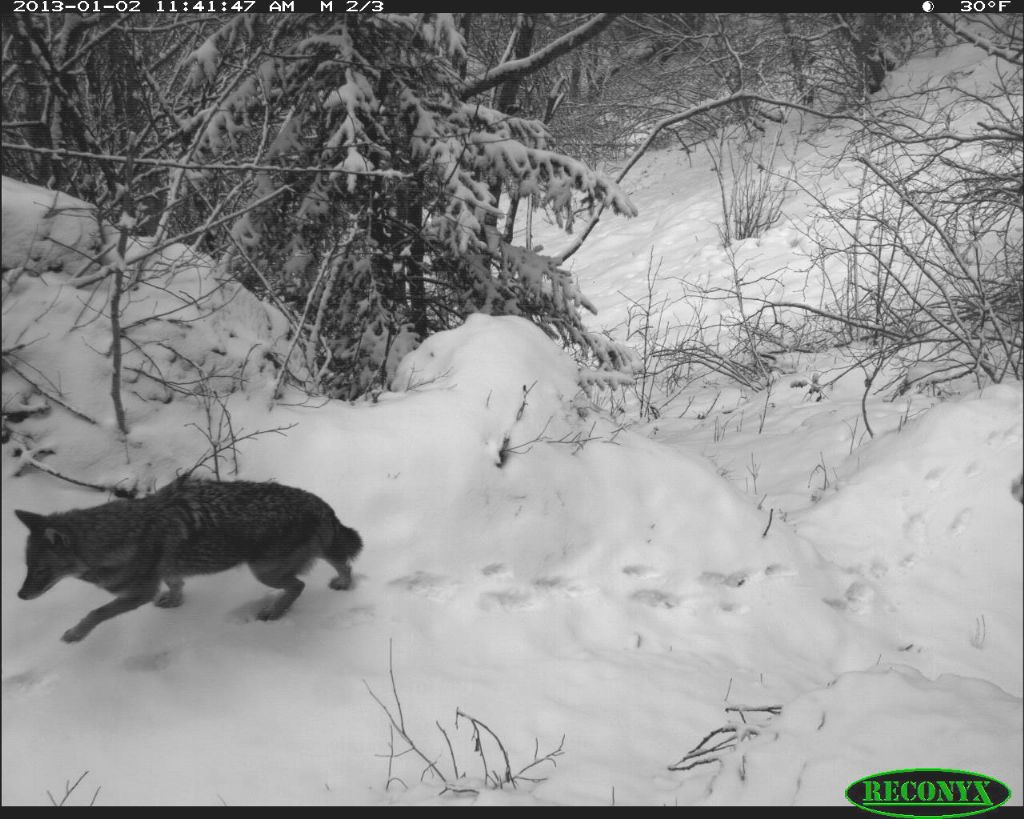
(30, 519)
(55, 536)
(37, 525)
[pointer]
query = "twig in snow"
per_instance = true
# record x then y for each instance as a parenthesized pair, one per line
(726, 738)
(69, 788)
(399, 725)
(774, 710)
(28, 458)
(522, 406)
(479, 748)
(51, 396)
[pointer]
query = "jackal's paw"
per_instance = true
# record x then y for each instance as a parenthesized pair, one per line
(169, 600)
(73, 635)
(342, 581)
(269, 613)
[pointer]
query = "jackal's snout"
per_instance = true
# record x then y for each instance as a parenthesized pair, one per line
(36, 582)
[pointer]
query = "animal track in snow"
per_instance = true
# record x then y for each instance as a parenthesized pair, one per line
(859, 596)
(934, 478)
(570, 588)
(510, 600)
(734, 580)
(431, 586)
(914, 529)
(655, 598)
(348, 618)
(640, 571)
(961, 521)
(246, 613)
(25, 683)
(1008, 436)
(496, 570)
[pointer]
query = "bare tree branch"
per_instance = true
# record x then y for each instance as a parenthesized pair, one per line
(949, 21)
(516, 69)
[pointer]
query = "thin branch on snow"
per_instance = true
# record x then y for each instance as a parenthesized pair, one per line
(29, 457)
(57, 400)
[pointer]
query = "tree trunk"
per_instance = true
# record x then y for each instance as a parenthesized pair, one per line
(863, 32)
(506, 102)
(36, 99)
(410, 215)
(461, 64)
(805, 95)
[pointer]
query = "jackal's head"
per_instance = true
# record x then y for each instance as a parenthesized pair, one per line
(48, 554)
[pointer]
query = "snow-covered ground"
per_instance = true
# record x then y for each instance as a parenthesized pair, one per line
(600, 596)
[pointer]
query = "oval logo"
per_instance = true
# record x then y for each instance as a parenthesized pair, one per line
(928, 792)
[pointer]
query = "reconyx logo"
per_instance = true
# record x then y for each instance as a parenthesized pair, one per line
(927, 792)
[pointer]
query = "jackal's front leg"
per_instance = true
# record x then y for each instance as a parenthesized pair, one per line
(97, 616)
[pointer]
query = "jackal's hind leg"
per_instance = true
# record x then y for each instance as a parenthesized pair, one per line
(172, 597)
(277, 578)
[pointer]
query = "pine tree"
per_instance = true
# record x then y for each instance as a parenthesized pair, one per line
(391, 240)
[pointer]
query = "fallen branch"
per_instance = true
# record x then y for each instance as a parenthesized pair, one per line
(120, 492)
(51, 396)
(705, 752)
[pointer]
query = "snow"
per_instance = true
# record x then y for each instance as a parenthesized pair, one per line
(32, 242)
(569, 580)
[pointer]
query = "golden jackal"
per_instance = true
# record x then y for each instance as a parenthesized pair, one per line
(189, 527)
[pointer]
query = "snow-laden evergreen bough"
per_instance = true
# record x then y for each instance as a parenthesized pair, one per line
(382, 219)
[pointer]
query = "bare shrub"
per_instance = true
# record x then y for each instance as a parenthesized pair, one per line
(752, 191)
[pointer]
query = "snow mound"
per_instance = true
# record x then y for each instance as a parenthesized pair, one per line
(497, 365)
(872, 721)
(491, 484)
(501, 408)
(190, 340)
(47, 230)
(925, 521)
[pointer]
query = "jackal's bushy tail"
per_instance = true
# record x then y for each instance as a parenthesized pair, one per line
(344, 543)
(338, 546)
